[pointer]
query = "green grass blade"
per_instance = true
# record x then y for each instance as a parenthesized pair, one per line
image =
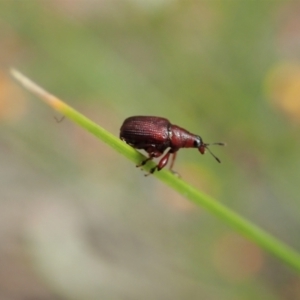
(246, 228)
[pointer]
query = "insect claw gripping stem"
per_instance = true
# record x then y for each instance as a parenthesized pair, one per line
(175, 173)
(144, 162)
(150, 172)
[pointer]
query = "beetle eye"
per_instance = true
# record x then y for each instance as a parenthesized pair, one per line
(197, 142)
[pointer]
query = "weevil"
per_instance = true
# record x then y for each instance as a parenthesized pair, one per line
(155, 135)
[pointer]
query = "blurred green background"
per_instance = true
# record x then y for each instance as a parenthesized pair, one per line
(78, 221)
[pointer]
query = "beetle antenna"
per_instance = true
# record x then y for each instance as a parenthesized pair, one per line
(220, 144)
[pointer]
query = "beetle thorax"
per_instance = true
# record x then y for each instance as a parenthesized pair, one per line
(181, 138)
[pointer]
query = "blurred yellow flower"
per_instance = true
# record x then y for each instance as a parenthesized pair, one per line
(283, 89)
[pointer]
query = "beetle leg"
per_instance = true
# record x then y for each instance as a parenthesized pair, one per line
(172, 163)
(152, 153)
(144, 161)
(162, 163)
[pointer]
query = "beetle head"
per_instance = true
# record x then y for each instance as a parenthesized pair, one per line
(203, 146)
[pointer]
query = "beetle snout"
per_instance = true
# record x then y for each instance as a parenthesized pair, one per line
(202, 149)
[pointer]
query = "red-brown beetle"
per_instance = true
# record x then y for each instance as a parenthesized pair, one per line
(156, 134)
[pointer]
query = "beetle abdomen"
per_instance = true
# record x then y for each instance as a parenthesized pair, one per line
(145, 130)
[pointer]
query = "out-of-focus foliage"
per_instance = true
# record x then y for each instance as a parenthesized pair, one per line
(79, 222)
